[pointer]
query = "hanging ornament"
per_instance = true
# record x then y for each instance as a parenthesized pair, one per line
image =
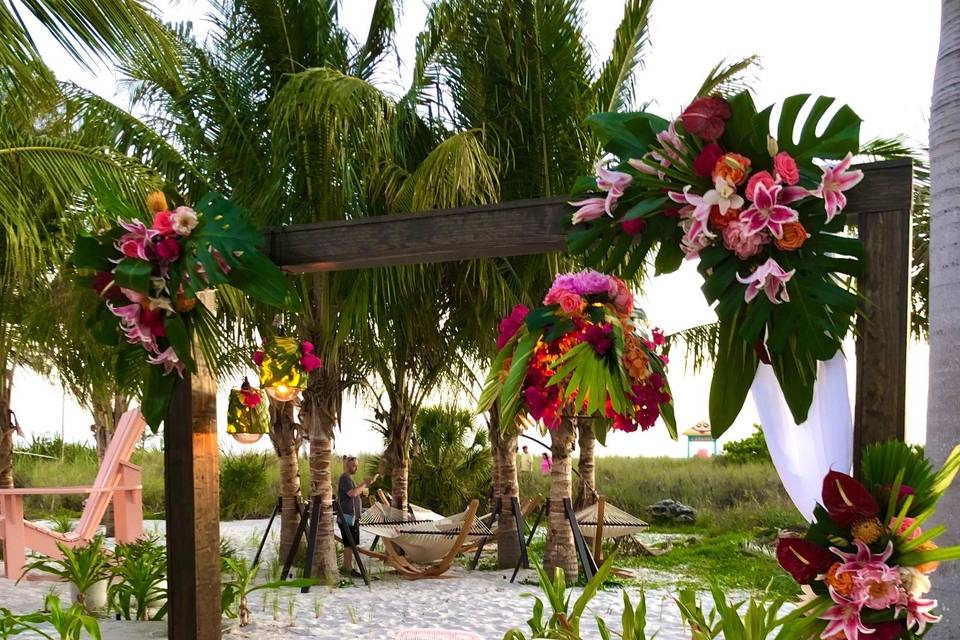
(247, 416)
(284, 365)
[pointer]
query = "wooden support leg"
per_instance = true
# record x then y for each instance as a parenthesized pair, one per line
(483, 541)
(518, 521)
(583, 551)
(14, 536)
(316, 508)
(191, 475)
(297, 537)
(544, 511)
(266, 534)
(128, 506)
(598, 535)
(348, 541)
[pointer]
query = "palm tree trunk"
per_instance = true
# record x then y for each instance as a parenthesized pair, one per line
(7, 428)
(400, 428)
(286, 439)
(943, 402)
(506, 487)
(319, 414)
(587, 466)
(560, 551)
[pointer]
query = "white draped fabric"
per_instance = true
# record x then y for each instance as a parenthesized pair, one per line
(803, 454)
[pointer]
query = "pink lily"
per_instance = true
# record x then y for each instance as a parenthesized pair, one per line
(768, 210)
(614, 183)
(590, 209)
(134, 330)
(844, 617)
(918, 613)
(771, 278)
(700, 212)
(170, 361)
(837, 179)
(863, 557)
(134, 243)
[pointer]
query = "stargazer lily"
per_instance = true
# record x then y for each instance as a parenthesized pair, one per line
(590, 209)
(769, 210)
(918, 613)
(837, 179)
(614, 183)
(843, 617)
(700, 212)
(769, 277)
(169, 360)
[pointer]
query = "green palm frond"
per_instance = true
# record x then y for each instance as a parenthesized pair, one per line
(729, 79)
(700, 343)
(379, 41)
(614, 88)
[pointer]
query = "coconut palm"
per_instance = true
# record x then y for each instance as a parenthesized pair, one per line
(944, 399)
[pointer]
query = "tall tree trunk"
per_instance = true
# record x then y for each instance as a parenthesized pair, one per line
(400, 428)
(560, 551)
(320, 413)
(943, 402)
(506, 487)
(286, 438)
(587, 466)
(7, 428)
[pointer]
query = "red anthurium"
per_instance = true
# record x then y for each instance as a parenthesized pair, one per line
(846, 500)
(803, 559)
(706, 117)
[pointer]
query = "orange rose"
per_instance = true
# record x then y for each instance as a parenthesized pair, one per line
(732, 167)
(719, 221)
(842, 583)
(927, 567)
(794, 235)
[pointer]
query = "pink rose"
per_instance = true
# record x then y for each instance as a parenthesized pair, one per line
(309, 362)
(168, 249)
(570, 303)
(761, 177)
(706, 117)
(162, 222)
(633, 226)
(704, 163)
(786, 168)
(737, 239)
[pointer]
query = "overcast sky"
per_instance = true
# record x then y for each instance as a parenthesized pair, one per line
(877, 56)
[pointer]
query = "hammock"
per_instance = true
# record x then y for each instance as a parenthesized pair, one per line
(616, 522)
(427, 542)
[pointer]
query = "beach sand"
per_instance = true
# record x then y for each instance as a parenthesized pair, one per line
(483, 602)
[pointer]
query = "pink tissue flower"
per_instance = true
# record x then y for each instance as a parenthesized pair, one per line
(309, 362)
(877, 586)
(768, 210)
(590, 209)
(771, 279)
(837, 179)
(737, 238)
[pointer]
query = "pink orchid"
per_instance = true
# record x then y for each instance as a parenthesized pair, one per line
(836, 179)
(614, 183)
(768, 210)
(918, 613)
(844, 617)
(771, 278)
(134, 329)
(169, 360)
(700, 214)
(590, 209)
(724, 196)
(134, 243)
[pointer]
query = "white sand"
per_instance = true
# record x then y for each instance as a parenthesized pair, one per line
(482, 601)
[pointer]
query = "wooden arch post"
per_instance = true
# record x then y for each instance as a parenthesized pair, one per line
(880, 204)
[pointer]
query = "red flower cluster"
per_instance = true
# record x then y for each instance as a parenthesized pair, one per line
(511, 324)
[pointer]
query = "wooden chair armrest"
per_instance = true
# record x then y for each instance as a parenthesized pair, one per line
(130, 465)
(64, 491)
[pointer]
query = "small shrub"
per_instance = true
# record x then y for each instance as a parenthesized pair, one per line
(82, 566)
(750, 449)
(243, 482)
(138, 590)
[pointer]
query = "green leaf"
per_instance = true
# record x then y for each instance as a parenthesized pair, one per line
(93, 253)
(134, 274)
(669, 258)
(645, 208)
(840, 136)
(584, 184)
(733, 374)
(626, 135)
(510, 393)
(179, 338)
(541, 317)
(796, 371)
(157, 392)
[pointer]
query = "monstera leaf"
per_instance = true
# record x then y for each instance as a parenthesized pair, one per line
(840, 137)
(225, 249)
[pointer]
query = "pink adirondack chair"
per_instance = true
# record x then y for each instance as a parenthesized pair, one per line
(117, 480)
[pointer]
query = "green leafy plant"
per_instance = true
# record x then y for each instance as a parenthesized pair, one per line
(564, 620)
(240, 584)
(759, 621)
(243, 480)
(138, 589)
(633, 620)
(81, 566)
(750, 449)
(68, 624)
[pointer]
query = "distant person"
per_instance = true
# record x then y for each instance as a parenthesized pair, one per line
(526, 460)
(348, 498)
(545, 464)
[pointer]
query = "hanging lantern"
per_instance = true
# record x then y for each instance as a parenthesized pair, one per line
(281, 374)
(247, 416)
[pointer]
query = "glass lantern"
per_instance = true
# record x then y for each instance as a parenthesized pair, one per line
(247, 415)
(281, 375)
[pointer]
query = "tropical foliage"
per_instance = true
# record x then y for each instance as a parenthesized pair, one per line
(763, 224)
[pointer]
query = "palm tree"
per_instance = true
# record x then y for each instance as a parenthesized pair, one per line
(530, 93)
(944, 399)
(586, 464)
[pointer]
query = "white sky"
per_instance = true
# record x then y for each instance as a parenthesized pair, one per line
(877, 56)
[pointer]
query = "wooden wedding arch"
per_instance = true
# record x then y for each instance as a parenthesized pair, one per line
(880, 206)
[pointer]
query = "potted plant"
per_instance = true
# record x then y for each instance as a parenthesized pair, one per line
(85, 568)
(138, 585)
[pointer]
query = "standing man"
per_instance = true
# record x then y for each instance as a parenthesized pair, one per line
(526, 461)
(348, 498)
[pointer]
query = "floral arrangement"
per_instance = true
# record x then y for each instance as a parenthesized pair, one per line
(865, 564)
(148, 277)
(582, 353)
(761, 216)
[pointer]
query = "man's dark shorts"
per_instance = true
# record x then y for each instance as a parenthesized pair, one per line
(354, 529)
